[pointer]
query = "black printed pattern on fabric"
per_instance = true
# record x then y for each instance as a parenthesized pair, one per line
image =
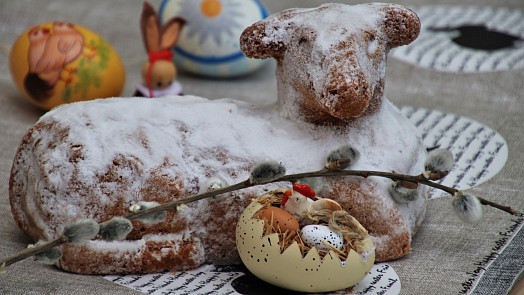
(467, 39)
(478, 151)
(479, 37)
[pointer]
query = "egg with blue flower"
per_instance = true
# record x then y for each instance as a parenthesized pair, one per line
(209, 43)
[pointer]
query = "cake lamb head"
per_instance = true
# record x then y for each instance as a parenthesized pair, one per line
(331, 60)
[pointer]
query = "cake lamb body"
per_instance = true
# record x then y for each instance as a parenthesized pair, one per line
(96, 159)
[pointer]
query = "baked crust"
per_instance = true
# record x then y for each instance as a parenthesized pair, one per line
(95, 159)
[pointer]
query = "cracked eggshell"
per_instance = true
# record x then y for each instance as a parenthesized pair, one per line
(289, 270)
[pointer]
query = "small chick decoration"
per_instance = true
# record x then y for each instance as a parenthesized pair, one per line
(301, 202)
(159, 72)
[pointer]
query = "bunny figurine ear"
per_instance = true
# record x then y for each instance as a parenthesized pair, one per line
(170, 32)
(149, 26)
(158, 37)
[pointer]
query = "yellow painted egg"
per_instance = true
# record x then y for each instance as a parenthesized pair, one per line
(261, 253)
(58, 62)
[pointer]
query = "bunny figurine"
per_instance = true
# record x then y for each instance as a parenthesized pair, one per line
(159, 72)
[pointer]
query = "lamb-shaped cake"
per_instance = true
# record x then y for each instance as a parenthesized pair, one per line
(96, 159)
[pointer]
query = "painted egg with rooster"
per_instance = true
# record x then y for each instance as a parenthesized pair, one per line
(59, 62)
(209, 42)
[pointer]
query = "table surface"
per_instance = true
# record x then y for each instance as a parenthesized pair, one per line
(447, 255)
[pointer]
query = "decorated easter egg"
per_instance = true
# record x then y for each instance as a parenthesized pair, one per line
(314, 234)
(282, 264)
(209, 42)
(280, 218)
(58, 62)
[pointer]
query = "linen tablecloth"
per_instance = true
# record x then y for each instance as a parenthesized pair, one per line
(448, 256)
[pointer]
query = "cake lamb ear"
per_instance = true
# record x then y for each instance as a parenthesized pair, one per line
(260, 40)
(402, 25)
(254, 35)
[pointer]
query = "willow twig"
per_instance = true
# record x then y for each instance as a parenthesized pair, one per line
(246, 184)
(32, 251)
(498, 206)
(320, 173)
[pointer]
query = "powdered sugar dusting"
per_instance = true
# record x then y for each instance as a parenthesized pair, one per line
(97, 158)
(196, 129)
(203, 138)
(331, 22)
(199, 138)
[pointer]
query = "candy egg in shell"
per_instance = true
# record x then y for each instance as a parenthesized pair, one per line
(314, 235)
(59, 62)
(209, 42)
(289, 269)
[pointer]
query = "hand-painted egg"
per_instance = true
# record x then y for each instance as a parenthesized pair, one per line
(209, 42)
(263, 256)
(279, 218)
(58, 62)
(313, 235)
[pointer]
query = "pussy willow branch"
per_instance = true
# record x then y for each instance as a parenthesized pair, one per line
(394, 176)
(174, 204)
(246, 184)
(320, 173)
(32, 251)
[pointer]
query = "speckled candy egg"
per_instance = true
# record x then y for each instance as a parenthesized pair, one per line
(58, 62)
(313, 235)
(209, 42)
(288, 269)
